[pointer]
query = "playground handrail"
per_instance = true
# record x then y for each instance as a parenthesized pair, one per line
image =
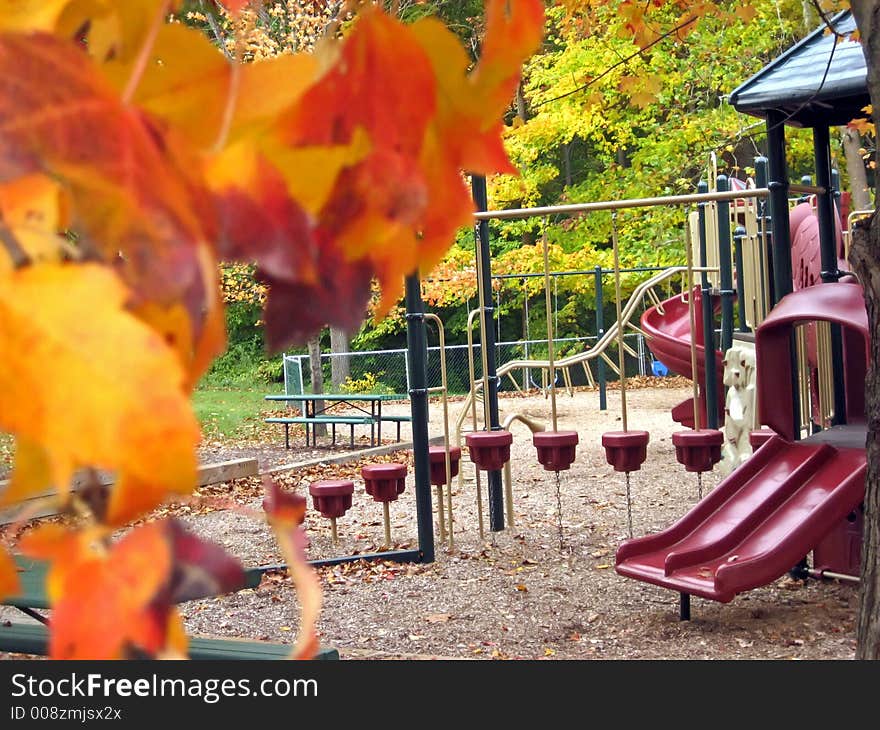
(686, 199)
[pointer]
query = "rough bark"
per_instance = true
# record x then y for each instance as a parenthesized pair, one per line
(865, 259)
(317, 376)
(855, 168)
(340, 365)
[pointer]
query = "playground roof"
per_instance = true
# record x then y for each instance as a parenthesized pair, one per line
(819, 81)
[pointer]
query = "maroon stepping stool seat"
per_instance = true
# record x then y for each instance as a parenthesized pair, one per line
(437, 458)
(384, 483)
(556, 449)
(698, 450)
(626, 450)
(489, 450)
(332, 498)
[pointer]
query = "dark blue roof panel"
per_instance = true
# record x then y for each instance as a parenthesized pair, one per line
(821, 80)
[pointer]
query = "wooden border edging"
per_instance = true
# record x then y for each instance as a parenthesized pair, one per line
(351, 456)
(220, 471)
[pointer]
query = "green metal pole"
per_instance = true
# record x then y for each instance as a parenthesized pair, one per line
(487, 338)
(710, 391)
(417, 348)
(738, 235)
(828, 253)
(780, 224)
(725, 268)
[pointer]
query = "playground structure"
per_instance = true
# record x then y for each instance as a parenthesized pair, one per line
(773, 266)
(802, 490)
(803, 314)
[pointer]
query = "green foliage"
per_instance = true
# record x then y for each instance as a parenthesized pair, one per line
(366, 383)
(244, 361)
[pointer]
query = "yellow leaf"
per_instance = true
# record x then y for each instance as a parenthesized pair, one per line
(31, 207)
(189, 81)
(31, 474)
(91, 385)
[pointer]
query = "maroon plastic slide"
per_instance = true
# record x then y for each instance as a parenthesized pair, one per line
(668, 335)
(756, 524)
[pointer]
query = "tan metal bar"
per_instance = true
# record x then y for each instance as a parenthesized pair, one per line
(508, 479)
(620, 345)
(692, 317)
(386, 516)
(811, 189)
(550, 332)
(622, 204)
(444, 390)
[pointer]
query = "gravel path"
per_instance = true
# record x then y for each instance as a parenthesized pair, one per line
(517, 593)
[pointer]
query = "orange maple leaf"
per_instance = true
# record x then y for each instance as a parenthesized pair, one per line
(132, 202)
(116, 600)
(92, 386)
(103, 597)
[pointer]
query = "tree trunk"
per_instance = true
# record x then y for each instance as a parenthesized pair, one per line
(566, 163)
(865, 259)
(522, 110)
(317, 375)
(866, 263)
(855, 167)
(340, 364)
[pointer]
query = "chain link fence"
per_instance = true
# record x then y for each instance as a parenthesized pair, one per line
(388, 370)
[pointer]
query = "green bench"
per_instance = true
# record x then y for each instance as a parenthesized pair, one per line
(308, 421)
(398, 420)
(34, 638)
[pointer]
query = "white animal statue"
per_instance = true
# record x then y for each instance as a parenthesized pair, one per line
(739, 410)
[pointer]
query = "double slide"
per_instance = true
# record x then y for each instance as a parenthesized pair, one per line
(757, 523)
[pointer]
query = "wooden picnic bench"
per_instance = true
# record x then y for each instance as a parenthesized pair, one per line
(33, 638)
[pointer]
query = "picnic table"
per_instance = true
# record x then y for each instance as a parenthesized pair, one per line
(33, 638)
(367, 405)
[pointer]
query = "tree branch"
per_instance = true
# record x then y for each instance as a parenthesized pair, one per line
(622, 61)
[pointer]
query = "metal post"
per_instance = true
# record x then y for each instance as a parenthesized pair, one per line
(725, 268)
(761, 175)
(600, 331)
(828, 252)
(738, 235)
(417, 348)
(487, 334)
(779, 222)
(684, 607)
(710, 392)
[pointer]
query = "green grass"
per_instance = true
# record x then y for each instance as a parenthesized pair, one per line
(226, 411)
